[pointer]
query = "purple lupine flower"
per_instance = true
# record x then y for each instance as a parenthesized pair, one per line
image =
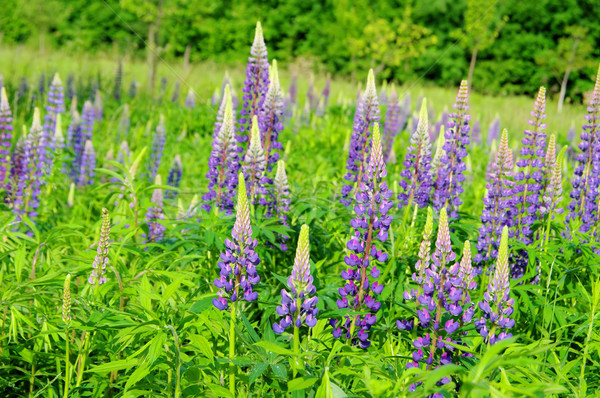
(71, 90)
(570, 140)
(20, 177)
(75, 143)
(586, 178)
(174, 179)
(81, 134)
(281, 202)
(494, 130)
(223, 163)
(6, 130)
(311, 99)
(391, 126)
(88, 165)
(293, 90)
(297, 306)
(496, 203)
(256, 84)
(176, 89)
(55, 107)
(254, 167)
(221, 111)
(270, 120)
(238, 262)
(190, 99)
(118, 81)
(529, 179)
(326, 91)
(367, 115)
(100, 263)
(448, 184)
(158, 146)
(372, 222)
(23, 88)
(497, 305)
(415, 184)
(442, 295)
(214, 99)
(155, 214)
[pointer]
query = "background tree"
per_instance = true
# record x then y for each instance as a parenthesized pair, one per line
(571, 55)
(481, 28)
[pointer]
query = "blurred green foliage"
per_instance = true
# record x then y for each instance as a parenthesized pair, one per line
(405, 40)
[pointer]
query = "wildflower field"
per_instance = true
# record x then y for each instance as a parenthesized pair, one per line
(261, 232)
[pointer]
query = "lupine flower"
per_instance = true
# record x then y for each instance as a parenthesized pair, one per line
(256, 84)
(42, 85)
(55, 107)
(439, 151)
(326, 91)
(297, 306)
(21, 175)
(71, 91)
(496, 203)
(162, 89)
(66, 307)
(132, 92)
(100, 263)
(59, 138)
(442, 295)
(586, 180)
(549, 162)
(311, 99)
(190, 212)
(174, 179)
(367, 114)
(553, 191)
(118, 81)
(176, 89)
(391, 126)
(81, 133)
(282, 200)
(155, 214)
(270, 120)
(190, 99)
(6, 130)
(448, 185)
(223, 163)
(158, 146)
(529, 180)
(497, 305)
(373, 202)
(23, 88)
(238, 262)
(415, 185)
(570, 140)
(88, 164)
(254, 166)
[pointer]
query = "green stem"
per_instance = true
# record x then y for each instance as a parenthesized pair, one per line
(296, 349)
(82, 358)
(67, 364)
(593, 307)
(232, 348)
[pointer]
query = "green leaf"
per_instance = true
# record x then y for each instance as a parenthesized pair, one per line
(138, 375)
(201, 305)
(203, 345)
(220, 391)
(274, 348)
(257, 370)
(301, 383)
(279, 370)
(114, 365)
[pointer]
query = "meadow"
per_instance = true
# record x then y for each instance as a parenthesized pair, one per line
(410, 266)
